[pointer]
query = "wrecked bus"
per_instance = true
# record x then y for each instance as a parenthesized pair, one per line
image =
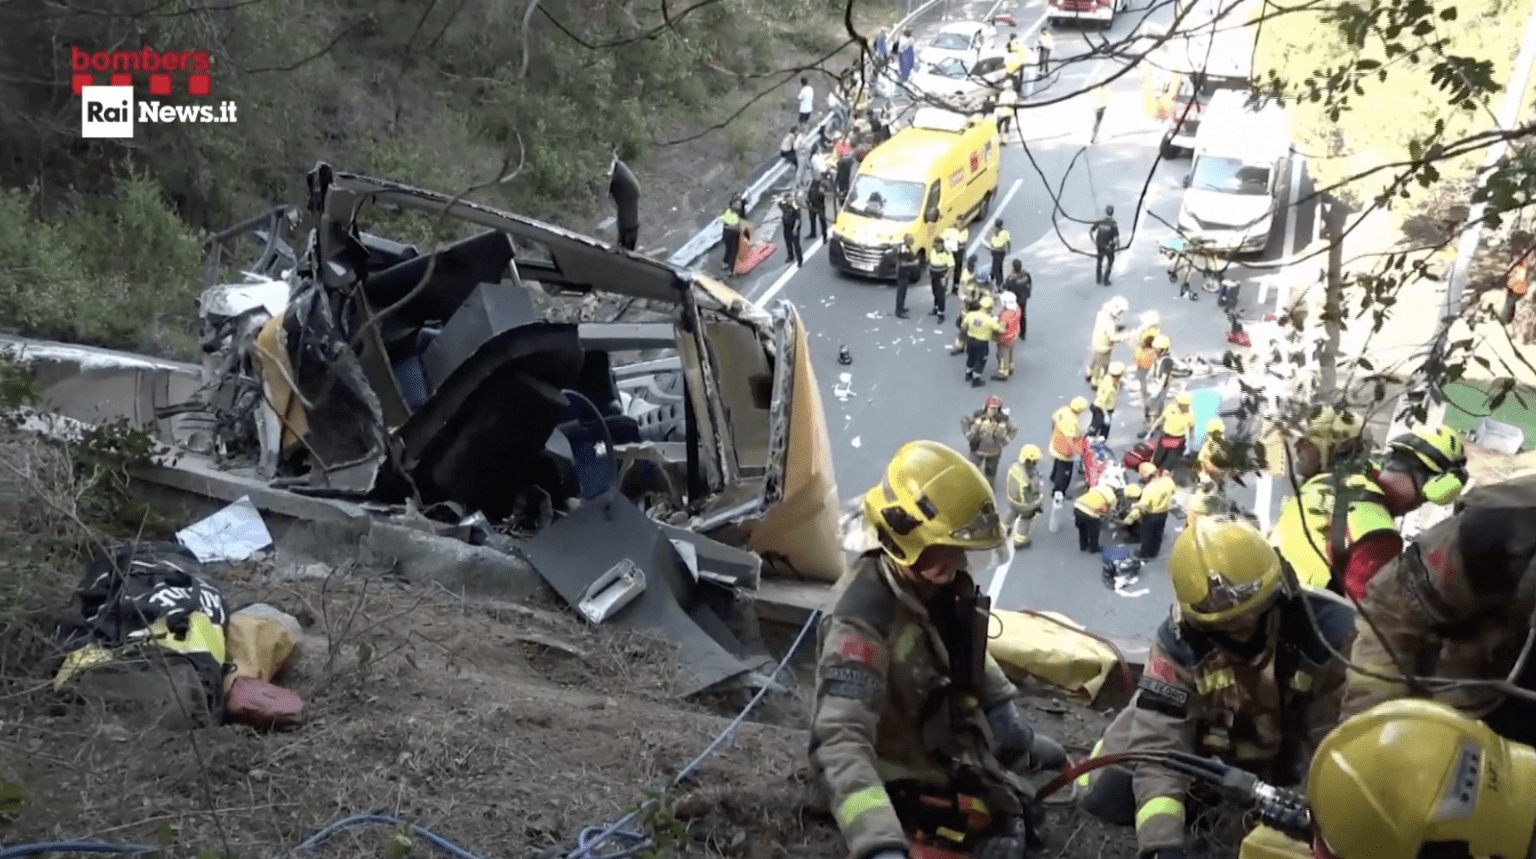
(463, 376)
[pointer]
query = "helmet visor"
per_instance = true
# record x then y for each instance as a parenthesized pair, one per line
(1222, 596)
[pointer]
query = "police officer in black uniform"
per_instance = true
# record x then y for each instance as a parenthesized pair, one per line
(907, 264)
(790, 222)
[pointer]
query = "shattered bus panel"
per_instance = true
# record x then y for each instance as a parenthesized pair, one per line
(395, 372)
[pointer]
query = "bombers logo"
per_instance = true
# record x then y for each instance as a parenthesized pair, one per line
(119, 88)
(118, 67)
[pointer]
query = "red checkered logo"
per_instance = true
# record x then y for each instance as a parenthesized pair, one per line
(160, 73)
(855, 649)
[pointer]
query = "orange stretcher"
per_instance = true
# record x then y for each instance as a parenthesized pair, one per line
(748, 255)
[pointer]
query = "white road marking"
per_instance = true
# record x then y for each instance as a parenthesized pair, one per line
(790, 272)
(999, 575)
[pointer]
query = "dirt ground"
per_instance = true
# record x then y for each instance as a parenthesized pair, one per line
(504, 728)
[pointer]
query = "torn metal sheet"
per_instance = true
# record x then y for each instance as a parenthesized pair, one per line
(575, 551)
(232, 534)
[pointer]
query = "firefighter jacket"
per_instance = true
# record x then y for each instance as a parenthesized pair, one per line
(972, 289)
(1456, 603)
(890, 714)
(1156, 497)
(1212, 459)
(1177, 420)
(1096, 501)
(1106, 332)
(1026, 489)
(1304, 533)
(1107, 394)
(1263, 713)
(988, 434)
(1010, 319)
(979, 325)
(1204, 502)
(1065, 433)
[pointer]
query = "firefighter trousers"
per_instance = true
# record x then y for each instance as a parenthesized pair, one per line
(1004, 360)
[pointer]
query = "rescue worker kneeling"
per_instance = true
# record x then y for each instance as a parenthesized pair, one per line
(915, 733)
(1416, 778)
(1237, 672)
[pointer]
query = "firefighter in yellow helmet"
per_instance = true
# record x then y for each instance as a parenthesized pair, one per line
(980, 329)
(1154, 370)
(1237, 672)
(1214, 460)
(1026, 494)
(893, 720)
(1066, 443)
(1457, 603)
(1097, 502)
(1416, 778)
(1106, 396)
(1174, 429)
(1150, 515)
(1425, 464)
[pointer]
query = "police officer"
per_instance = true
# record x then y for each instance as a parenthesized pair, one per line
(980, 329)
(1088, 514)
(907, 265)
(1416, 778)
(1106, 240)
(1150, 515)
(988, 430)
(816, 205)
(1239, 673)
(954, 240)
(940, 263)
(1457, 604)
(731, 223)
(1424, 465)
(920, 752)
(1022, 286)
(846, 167)
(1026, 491)
(999, 243)
(789, 222)
(1066, 441)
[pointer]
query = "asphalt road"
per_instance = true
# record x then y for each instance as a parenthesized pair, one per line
(903, 384)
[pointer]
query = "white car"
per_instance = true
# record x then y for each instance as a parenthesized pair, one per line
(965, 40)
(953, 79)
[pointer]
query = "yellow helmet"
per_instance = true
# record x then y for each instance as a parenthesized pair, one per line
(1146, 470)
(1029, 453)
(1161, 342)
(986, 302)
(932, 496)
(1079, 404)
(1133, 491)
(1184, 398)
(1117, 368)
(1412, 772)
(1223, 568)
(1441, 451)
(1215, 425)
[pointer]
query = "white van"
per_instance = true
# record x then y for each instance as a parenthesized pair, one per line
(1240, 168)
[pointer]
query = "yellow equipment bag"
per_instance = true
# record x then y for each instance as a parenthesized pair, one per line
(1266, 843)
(1035, 646)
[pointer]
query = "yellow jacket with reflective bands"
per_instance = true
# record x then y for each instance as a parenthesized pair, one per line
(1264, 714)
(979, 325)
(941, 260)
(1096, 501)
(1108, 392)
(1178, 420)
(882, 707)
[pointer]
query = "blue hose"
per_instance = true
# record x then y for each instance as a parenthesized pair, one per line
(588, 839)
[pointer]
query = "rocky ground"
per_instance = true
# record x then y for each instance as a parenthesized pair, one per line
(504, 728)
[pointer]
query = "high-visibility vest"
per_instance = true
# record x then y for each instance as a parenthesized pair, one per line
(1303, 534)
(1013, 62)
(1519, 278)
(1108, 392)
(979, 325)
(1146, 356)
(1096, 501)
(1064, 433)
(1177, 420)
(1157, 496)
(1000, 240)
(941, 260)
(730, 219)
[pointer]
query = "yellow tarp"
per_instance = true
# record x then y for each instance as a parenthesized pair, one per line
(259, 645)
(1266, 843)
(1029, 644)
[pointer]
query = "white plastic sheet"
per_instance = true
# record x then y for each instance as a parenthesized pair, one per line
(232, 534)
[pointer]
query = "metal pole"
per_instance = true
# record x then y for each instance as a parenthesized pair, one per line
(1472, 231)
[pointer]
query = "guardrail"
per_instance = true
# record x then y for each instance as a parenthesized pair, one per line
(711, 234)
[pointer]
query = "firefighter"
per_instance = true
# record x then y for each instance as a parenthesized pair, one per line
(1026, 490)
(1107, 331)
(1088, 514)
(1150, 515)
(1237, 672)
(1416, 778)
(1105, 396)
(1212, 460)
(939, 264)
(999, 243)
(1129, 497)
(980, 330)
(1457, 604)
(1154, 370)
(1066, 442)
(988, 430)
(954, 240)
(921, 752)
(972, 289)
(1011, 317)
(1174, 428)
(1330, 436)
(1424, 465)
(1206, 500)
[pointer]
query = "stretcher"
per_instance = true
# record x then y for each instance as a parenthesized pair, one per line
(1097, 457)
(748, 255)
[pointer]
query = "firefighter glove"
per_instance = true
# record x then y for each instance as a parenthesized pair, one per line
(1015, 739)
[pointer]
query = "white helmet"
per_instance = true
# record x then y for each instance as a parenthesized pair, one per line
(1150, 318)
(1117, 306)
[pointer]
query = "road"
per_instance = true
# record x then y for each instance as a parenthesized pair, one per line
(903, 384)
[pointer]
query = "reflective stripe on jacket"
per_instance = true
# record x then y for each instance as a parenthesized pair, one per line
(1311, 512)
(1026, 488)
(1096, 501)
